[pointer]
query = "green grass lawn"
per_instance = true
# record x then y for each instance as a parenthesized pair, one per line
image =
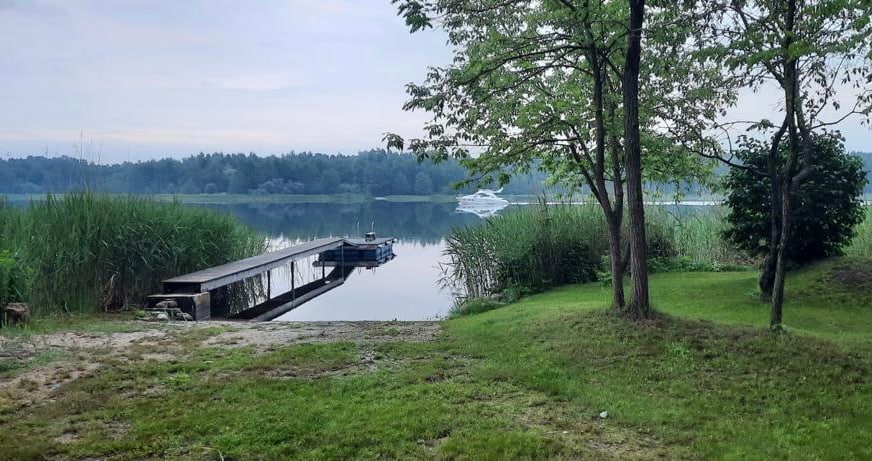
(528, 380)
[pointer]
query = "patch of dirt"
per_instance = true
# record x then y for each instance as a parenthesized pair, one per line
(584, 436)
(264, 336)
(857, 277)
(111, 341)
(71, 356)
(38, 383)
(67, 437)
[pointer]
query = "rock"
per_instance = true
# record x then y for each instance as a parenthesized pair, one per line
(604, 415)
(167, 304)
(162, 316)
(184, 316)
(15, 313)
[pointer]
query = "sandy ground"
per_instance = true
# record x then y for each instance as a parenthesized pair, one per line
(50, 360)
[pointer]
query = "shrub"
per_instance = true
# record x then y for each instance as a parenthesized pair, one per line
(826, 208)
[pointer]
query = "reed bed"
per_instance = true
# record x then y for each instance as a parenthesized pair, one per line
(88, 252)
(533, 248)
(697, 234)
(13, 276)
(528, 249)
(861, 244)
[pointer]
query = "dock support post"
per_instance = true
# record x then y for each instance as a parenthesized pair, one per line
(268, 285)
(293, 290)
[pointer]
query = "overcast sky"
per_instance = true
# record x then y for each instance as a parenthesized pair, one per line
(144, 79)
(173, 78)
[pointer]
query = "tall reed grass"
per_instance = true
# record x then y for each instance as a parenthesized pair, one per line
(86, 251)
(696, 234)
(14, 278)
(861, 244)
(533, 248)
(528, 249)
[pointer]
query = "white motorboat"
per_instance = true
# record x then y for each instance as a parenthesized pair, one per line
(483, 197)
(483, 202)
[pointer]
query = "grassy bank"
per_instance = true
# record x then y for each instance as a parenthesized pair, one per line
(528, 380)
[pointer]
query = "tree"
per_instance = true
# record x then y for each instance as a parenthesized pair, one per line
(423, 184)
(812, 51)
(330, 181)
(559, 85)
(825, 211)
(238, 183)
(633, 153)
(401, 185)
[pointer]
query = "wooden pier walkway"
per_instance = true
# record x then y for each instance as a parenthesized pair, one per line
(219, 276)
(192, 292)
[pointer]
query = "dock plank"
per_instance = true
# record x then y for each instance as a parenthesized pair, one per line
(225, 274)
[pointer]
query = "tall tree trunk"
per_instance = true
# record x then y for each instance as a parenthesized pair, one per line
(616, 262)
(767, 277)
(775, 315)
(639, 304)
(791, 100)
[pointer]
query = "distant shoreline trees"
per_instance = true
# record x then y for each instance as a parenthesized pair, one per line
(373, 172)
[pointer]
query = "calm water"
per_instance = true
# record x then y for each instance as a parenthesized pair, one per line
(403, 289)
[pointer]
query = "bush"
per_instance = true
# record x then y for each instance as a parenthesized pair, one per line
(826, 208)
(88, 252)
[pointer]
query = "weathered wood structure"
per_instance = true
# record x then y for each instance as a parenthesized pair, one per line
(192, 293)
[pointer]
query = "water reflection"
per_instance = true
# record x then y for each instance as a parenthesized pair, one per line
(403, 289)
(424, 223)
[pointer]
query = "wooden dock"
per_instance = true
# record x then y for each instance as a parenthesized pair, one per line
(237, 271)
(192, 292)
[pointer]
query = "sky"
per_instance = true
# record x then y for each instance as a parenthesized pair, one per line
(144, 79)
(140, 79)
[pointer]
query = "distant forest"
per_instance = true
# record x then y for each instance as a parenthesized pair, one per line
(374, 172)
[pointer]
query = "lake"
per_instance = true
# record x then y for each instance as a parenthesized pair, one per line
(405, 288)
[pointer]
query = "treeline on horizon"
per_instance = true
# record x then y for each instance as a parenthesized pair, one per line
(373, 172)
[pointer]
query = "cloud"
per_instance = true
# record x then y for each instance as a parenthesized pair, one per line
(31, 8)
(162, 77)
(260, 82)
